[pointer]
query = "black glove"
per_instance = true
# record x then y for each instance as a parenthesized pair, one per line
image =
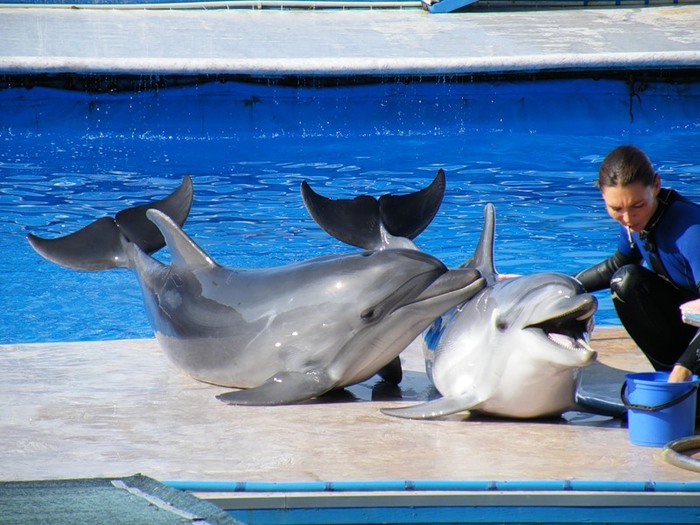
(598, 276)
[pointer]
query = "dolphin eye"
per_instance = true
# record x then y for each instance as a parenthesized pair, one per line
(501, 325)
(368, 314)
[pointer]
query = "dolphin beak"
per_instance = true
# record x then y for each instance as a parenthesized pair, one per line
(568, 324)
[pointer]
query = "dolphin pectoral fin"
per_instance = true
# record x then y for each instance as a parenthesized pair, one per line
(183, 250)
(285, 388)
(443, 406)
(392, 373)
(598, 390)
(483, 259)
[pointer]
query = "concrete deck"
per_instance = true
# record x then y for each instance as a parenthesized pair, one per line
(335, 42)
(116, 408)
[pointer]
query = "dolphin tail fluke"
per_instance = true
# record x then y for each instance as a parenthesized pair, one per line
(443, 406)
(103, 244)
(600, 406)
(136, 227)
(98, 246)
(359, 221)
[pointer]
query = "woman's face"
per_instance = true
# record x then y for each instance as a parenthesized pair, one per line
(631, 205)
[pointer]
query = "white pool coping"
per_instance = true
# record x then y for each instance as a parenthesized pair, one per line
(36, 40)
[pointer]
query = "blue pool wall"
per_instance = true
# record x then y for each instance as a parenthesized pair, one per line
(453, 501)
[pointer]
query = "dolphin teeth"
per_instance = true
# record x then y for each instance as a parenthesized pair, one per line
(562, 340)
(583, 343)
(568, 342)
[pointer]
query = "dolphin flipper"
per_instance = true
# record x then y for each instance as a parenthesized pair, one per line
(443, 406)
(285, 388)
(359, 221)
(100, 245)
(598, 390)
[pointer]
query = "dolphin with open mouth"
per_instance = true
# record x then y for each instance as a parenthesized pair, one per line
(515, 349)
(285, 334)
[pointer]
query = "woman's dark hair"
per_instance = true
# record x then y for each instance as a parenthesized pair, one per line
(625, 165)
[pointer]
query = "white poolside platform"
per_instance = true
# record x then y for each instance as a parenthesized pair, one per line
(40, 40)
(115, 408)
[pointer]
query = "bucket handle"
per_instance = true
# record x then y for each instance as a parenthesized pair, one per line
(656, 408)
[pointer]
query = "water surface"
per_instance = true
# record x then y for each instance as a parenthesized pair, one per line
(531, 148)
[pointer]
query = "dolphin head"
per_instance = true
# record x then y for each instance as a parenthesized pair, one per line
(548, 315)
(515, 349)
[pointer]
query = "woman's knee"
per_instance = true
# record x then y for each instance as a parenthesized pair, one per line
(627, 281)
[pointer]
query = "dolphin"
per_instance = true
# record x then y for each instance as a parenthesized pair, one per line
(515, 349)
(284, 334)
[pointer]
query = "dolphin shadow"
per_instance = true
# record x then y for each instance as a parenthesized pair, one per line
(415, 386)
(599, 384)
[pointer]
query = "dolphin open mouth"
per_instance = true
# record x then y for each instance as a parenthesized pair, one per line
(569, 328)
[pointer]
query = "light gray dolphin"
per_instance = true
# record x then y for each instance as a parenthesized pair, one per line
(515, 349)
(284, 334)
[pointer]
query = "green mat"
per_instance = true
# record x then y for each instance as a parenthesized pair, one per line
(132, 500)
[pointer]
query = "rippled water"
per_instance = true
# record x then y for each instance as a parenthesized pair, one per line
(533, 149)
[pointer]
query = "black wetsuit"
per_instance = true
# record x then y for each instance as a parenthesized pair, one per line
(650, 275)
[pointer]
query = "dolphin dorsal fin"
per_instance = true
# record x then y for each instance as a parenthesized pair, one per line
(365, 221)
(184, 251)
(482, 259)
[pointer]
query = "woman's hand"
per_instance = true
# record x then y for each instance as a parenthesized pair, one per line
(679, 374)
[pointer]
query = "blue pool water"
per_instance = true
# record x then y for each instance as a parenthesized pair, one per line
(531, 148)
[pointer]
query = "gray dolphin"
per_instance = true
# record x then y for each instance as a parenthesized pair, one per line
(515, 349)
(284, 334)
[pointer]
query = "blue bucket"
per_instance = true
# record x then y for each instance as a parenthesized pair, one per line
(659, 411)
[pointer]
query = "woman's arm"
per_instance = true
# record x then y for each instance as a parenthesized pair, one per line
(688, 362)
(598, 276)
